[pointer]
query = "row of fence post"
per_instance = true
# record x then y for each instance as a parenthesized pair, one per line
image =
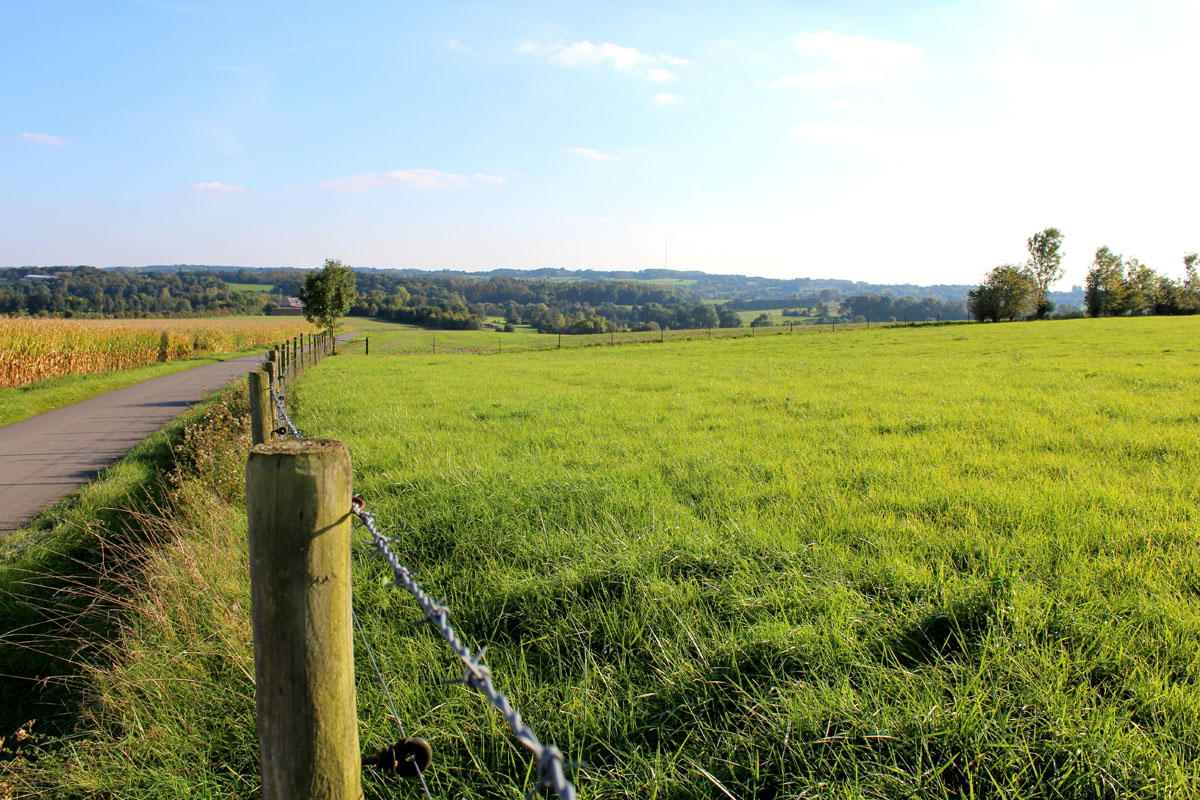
(285, 362)
(298, 523)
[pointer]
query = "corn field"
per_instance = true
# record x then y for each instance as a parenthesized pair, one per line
(35, 349)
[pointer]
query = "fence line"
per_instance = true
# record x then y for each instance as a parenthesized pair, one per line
(551, 766)
(531, 342)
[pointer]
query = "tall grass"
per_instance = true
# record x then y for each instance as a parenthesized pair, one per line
(945, 562)
(32, 349)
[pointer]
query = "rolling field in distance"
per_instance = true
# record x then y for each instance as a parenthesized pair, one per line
(938, 562)
(391, 338)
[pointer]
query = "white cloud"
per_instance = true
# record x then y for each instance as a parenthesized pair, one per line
(594, 155)
(622, 59)
(216, 188)
(629, 60)
(407, 179)
(44, 138)
(853, 60)
(664, 99)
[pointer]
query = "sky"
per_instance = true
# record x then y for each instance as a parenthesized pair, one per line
(918, 142)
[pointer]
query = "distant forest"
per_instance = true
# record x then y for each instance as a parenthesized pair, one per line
(553, 301)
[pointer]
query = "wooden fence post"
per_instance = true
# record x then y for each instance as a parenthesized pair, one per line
(298, 514)
(367, 342)
(262, 411)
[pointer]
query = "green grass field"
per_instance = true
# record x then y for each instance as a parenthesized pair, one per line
(251, 287)
(941, 562)
(390, 338)
(952, 561)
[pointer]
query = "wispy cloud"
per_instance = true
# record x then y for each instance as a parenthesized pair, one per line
(594, 155)
(408, 179)
(851, 60)
(44, 138)
(620, 58)
(215, 187)
(665, 99)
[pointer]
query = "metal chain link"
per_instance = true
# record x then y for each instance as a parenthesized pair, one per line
(551, 767)
(277, 398)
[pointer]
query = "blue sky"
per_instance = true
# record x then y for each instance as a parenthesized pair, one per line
(877, 141)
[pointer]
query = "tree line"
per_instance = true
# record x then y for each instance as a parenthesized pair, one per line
(1115, 285)
(74, 291)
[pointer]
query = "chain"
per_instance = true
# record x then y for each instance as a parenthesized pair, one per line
(551, 768)
(291, 428)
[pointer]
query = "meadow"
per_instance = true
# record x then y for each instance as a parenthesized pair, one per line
(952, 561)
(391, 338)
(34, 349)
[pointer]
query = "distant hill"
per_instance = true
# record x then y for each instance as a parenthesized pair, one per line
(702, 284)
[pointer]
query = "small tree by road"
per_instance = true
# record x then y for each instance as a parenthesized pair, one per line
(327, 295)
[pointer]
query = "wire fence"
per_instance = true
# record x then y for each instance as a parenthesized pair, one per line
(418, 340)
(551, 766)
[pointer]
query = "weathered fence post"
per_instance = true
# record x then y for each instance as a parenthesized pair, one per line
(367, 342)
(262, 410)
(298, 512)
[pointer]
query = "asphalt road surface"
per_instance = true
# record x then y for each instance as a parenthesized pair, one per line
(45, 458)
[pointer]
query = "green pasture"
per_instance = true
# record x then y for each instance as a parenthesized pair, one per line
(251, 287)
(939, 562)
(907, 562)
(670, 281)
(390, 338)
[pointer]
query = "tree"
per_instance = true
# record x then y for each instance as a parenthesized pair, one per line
(728, 318)
(1007, 292)
(1105, 286)
(1045, 267)
(763, 320)
(1141, 288)
(703, 316)
(327, 295)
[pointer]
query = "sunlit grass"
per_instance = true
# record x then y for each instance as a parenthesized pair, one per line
(912, 562)
(941, 562)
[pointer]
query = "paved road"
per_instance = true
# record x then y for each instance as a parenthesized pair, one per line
(44, 458)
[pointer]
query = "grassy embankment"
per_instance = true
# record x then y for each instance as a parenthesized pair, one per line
(943, 562)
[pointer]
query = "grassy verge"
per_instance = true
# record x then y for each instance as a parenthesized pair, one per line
(32, 399)
(123, 611)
